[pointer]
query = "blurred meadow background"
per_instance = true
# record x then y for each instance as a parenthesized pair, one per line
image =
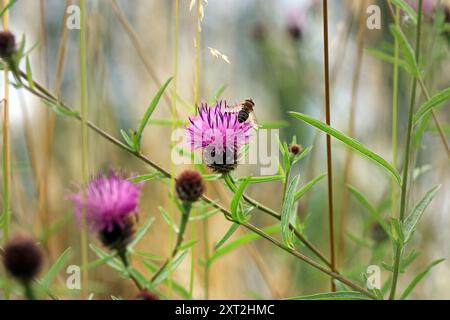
(273, 54)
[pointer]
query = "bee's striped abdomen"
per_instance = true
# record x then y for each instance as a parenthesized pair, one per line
(243, 116)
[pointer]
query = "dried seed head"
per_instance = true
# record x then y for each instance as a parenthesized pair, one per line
(22, 258)
(146, 295)
(295, 149)
(189, 186)
(7, 44)
(119, 236)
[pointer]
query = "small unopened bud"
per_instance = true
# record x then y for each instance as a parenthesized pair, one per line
(7, 44)
(295, 149)
(23, 258)
(189, 186)
(146, 295)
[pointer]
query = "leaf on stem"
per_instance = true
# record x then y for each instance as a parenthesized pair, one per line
(287, 212)
(352, 143)
(410, 223)
(435, 101)
(418, 278)
(301, 192)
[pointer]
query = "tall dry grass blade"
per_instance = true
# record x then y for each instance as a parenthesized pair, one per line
(329, 155)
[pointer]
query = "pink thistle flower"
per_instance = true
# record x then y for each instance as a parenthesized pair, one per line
(108, 201)
(219, 134)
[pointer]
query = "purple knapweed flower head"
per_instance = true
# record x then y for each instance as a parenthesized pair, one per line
(109, 201)
(219, 134)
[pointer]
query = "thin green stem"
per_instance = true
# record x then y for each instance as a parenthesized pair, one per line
(183, 224)
(329, 155)
(43, 91)
(28, 290)
(126, 262)
(84, 144)
(395, 115)
(404, 190)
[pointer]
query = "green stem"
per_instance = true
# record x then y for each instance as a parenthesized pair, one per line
(126, 262)
(399, 246)
(187, 206)
(29, 292)
(395, 115)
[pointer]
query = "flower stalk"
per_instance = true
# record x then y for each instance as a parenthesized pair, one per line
(407, 152)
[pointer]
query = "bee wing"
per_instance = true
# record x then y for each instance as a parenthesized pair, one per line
(253, 121)
(233, 108)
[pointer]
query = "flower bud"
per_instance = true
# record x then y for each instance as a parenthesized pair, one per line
(7, 44)
(189, 186)
(22, 258)
(295, 149)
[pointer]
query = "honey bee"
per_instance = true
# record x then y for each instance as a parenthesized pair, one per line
(245, 112)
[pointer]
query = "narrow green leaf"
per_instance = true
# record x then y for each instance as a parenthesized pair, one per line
(3, 10)
(56, 268)
(379, 54)
(397, 228)
(211, 177)
(407, 50)
(261, 179)
(339, 295)
(29, 73)
(308, 186)
(151, 108)
(147, 177)
(112, 262)
(169, 220)
(235, 213)
(287, 211)
(418, 278)
(435, 101)
(176, 286)
(188, 244)
(58, 108)
(353, 143)
(412, 220)
(406, 8)
(227, 236)
(369, 207)
(171, 266)
(241, 241)
(127, 138)
(140, 234)
(204, 216)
